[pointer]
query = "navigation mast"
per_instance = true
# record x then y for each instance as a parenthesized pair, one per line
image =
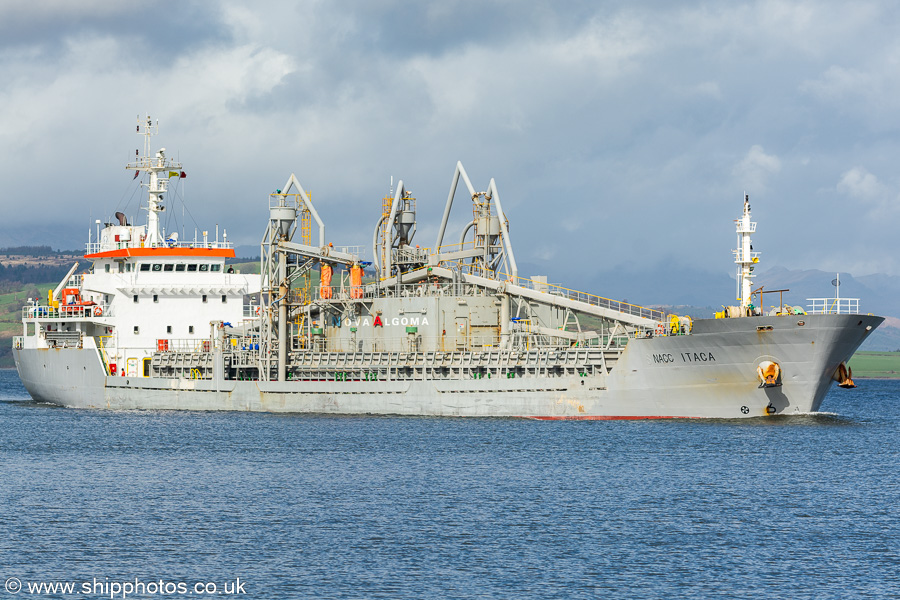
(744, 256)
(157, 186)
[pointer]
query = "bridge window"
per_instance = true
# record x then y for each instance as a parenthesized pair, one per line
(179, 267)
(168, 267)
(192, 267)
(107, 267)
(145, 267)
(157, 267)
(204, 267)
(216, 267)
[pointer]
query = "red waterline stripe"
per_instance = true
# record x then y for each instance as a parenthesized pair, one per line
(606, 418)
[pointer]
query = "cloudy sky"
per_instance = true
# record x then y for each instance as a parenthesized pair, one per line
(622, 135)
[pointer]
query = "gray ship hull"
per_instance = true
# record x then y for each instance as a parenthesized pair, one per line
(709, 373)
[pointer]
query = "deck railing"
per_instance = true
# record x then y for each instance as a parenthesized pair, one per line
(558, 290)
(95, 247)
(66, 311)
(833, 306)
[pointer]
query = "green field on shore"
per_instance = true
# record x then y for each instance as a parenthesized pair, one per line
(876, 365)
(11, 303)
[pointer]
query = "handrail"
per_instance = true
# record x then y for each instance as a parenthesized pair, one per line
(833, 306)
(588, 298)
(97, 247)
(66, 311)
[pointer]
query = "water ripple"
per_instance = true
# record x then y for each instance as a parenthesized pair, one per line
(800, 506)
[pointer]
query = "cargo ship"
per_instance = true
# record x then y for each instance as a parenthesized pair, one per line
(158, 322)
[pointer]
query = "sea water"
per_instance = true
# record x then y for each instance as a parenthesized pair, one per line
(149, 504)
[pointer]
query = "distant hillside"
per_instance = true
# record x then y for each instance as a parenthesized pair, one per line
(878, 294)
(11, 302)
(29, 251)
(34, 264)
(251, 252)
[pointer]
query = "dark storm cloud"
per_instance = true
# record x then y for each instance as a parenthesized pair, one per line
(626, 132)
(163, 33)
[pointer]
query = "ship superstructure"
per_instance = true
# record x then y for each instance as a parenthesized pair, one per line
(143, 292)
(450, 330)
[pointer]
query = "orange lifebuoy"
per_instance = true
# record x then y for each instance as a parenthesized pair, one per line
(98, 312)
(257, 311)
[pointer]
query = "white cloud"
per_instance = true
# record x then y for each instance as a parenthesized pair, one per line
(838, 82)
(755, 168)
(859, 183)
(609, 44)
(622, 111)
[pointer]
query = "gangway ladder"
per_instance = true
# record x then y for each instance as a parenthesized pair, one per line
(104, 358)
(387, 203)
(305, 222)
(305, 238)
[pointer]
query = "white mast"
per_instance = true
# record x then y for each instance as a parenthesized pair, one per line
(744, 256)
(158, 185)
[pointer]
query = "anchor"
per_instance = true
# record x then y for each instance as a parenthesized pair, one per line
(844, 377)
